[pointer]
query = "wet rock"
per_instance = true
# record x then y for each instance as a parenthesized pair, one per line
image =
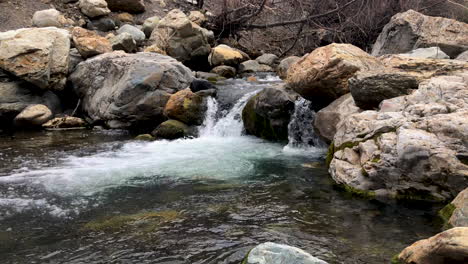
(225, 55)
(268, 59)
(90, 44)
(171, 129)
(103, 24)
(463, 56)
(150, 24)
(124, 41)
(65, 122)
(201, 85)
(187, 107)
(197, 17)
(450, 246)
(456, 213)
(37, 55)
(145, 137)
(327, 120)
(252, 66)
(427, 53)
(137, 34)
(128, 90)
(94, 8)
(182, 39)
(322, 76)
(49, 18)
(411, 30)
(225, 71)
(33, 116)
(267, 114)
(131, 6)
(414, 140)
(284, 65)
(272, 253)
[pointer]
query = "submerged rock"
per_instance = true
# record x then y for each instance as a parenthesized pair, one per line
(450, 246)
(272, 253)
(128, 90)
(37, 55)
(187, 107)
(145, 137)
(411, 30)
(171, 129)
(267, 114)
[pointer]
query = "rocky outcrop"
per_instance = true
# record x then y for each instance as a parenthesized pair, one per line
(411, 30)
(456, 213)
(252, 66)
(128, 90)
(327, 119)
(131, 6)
(16, 96)
(37, 55)
(33, 116)
(187, 107)
(427, 53)
(267, 114)
(322, 76)
(94, 8)
(450, 246)
(225, 55)
(414, 147)
(171, 129)
(182, 39)
(284, 65)
(272, 253)
(89, 43)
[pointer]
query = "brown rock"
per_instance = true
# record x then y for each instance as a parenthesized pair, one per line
(186, 106)
(225, 55)
(89, 43)
(33, 115)
(65, 122)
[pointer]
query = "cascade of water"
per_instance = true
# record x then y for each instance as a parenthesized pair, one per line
(229, 125)
(301, 134)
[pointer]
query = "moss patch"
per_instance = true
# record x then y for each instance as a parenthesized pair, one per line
(330, 153)
(357, 192)
(446, 213)
(396, 260)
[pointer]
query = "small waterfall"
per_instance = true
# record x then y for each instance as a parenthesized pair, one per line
(301, 134)
(229, 125)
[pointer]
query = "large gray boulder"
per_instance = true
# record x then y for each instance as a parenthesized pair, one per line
(15, 96)
(411, 30)
(37, 55)
(267, 114)
(128, 90)
(413, 147)
(272, 253)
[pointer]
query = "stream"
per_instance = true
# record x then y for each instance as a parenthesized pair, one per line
(98, 196)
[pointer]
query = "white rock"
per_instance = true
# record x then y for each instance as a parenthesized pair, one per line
(272, 253)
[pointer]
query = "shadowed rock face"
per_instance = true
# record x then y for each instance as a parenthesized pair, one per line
(411, 30)
(128, 90)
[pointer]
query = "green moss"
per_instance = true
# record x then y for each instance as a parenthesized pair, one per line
(446, 213)
(396, 260)
(357, 192)
(244, 261)
(376, 160)
(145, 137)
(153, 220)
(417, 195)
(330, 153)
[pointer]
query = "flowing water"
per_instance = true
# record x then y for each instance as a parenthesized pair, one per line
(98, 196)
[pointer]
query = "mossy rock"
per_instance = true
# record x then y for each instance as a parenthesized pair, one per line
(396, 260)
(145, 137)
(171, 129)
(446, 213)
(357, 192)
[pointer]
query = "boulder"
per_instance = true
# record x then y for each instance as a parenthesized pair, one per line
(455, 214)
(90, 44)
(150, 24)
(65, 122)
(145, 137)
(182, 39)
(197, 17)
(450, 246)
(411, 30)
(94, 8)
(123, 41)
(103, 24)
(225, 71)
(128, 90)
(268, 59)
(225, 55)
(131, 6)
(201, 85)
(322, 76)
(37, 55)
(272, 253)
(410, 148)
(171, 129)
(137, 34)
(284, 65)
(186, 107)
(267, 114)
(33, 116)
(327, 120)
(252, 66)
(427, 53)
(463, 56)
(49, 18)
(18, 95)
